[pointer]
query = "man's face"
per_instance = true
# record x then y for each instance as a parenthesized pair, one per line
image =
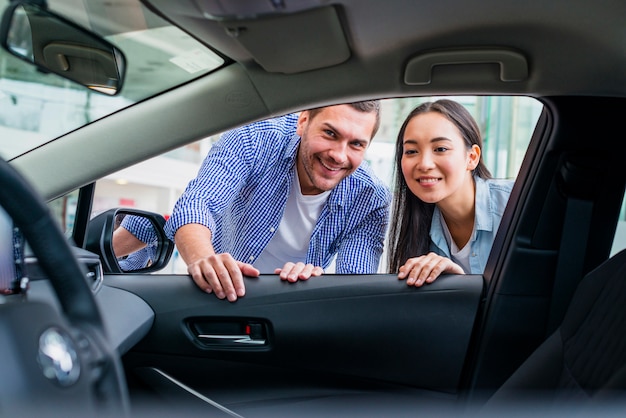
(333, 145)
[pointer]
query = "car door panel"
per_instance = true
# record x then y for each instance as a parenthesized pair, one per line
(369, 329)
(561, 166)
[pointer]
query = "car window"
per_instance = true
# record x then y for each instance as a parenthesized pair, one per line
(619, 241)
(507, 124)
(63, 209)
(38, 107)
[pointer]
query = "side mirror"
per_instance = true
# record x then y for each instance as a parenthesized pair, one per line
(54, 44)
(129, 240)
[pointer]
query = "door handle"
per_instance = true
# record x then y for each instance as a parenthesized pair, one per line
(235, 339)
(229, 333)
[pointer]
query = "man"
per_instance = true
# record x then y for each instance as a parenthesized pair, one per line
(284, 196)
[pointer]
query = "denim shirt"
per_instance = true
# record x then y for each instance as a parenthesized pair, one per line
(491, 199)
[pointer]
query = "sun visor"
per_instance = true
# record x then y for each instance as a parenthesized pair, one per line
(292, 43)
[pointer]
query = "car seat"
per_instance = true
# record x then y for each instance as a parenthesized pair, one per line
(584, 360)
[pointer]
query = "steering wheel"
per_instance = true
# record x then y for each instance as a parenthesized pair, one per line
(54, 359)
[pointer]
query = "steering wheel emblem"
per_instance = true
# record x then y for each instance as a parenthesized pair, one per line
(58, 358)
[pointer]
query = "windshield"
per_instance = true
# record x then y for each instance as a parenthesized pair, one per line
(38, 107)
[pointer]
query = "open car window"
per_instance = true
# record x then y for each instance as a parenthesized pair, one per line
(506, 122)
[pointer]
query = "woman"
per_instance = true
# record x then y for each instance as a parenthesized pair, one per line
(442, 186)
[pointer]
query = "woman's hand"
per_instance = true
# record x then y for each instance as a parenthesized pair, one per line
(426, 269)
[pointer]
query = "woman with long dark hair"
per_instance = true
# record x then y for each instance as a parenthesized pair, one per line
(446, 208)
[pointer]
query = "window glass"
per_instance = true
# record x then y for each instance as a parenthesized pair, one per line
(63, 209)
(38, 107)
(619, 241)
(507, 124)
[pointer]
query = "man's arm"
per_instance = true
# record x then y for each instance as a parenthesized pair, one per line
(124, 242)
(222, 173)
(240, 155)
(214, 273)
(133, 234)
(193, 242)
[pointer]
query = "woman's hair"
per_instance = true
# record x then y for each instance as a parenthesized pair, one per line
(409, 233)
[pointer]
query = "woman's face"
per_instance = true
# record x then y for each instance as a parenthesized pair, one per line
(436, 163)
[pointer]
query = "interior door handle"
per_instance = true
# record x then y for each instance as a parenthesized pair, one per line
(234, 339)
(229, 333)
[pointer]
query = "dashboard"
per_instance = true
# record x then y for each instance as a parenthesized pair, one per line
(127, 317)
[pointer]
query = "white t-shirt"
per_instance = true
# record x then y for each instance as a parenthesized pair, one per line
(291, 240)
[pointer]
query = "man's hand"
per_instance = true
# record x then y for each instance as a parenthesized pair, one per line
(426, 269)
(214, 273)
(293, 272)
(221, 274)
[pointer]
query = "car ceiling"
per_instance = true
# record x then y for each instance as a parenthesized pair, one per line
(568, 47)
(572, 47)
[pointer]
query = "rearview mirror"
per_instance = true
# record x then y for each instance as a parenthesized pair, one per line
(129, 240)
(54, 44)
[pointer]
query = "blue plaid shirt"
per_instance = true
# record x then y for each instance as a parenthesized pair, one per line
(241, 192)
(140, 227)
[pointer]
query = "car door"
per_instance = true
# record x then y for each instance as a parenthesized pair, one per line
(327, 336)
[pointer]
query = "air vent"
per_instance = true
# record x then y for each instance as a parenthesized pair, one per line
(90, 261)
(94, 273)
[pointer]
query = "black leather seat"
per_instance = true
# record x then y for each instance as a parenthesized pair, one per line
(584, 360)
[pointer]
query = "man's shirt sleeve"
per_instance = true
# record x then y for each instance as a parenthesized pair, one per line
(219, 180)
(140, 227)
(361, 250)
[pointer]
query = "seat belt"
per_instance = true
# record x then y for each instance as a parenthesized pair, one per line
(570, 264)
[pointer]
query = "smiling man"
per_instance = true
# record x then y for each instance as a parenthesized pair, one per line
(284, 196)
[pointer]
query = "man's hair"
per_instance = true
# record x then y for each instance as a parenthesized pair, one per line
(367, 106)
